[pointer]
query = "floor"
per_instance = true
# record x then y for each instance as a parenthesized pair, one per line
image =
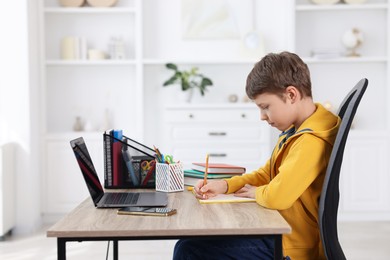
(360, 241)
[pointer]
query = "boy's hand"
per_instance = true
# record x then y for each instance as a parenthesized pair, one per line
(248, 191)
(211, 189)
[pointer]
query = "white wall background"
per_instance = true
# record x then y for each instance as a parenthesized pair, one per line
(163, 30)
(17, 123)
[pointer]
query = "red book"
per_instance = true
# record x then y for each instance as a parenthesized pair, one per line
(117, 158)
(219, 168)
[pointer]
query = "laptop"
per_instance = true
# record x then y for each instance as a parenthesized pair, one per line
(103, 199)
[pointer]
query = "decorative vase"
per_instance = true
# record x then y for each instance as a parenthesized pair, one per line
(72, 3)
(325, 2)
(102, 3)
(186, 96)
(352, 40)
(351, 2)
(78, 124)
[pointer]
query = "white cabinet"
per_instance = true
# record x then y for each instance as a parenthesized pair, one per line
(364, 180)
(228, 133)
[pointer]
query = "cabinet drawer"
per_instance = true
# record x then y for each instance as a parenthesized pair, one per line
(218, 154)
(218, 133)
(250, 158)
(214, 115)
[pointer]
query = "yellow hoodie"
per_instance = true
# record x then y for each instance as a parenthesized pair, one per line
(291, 181)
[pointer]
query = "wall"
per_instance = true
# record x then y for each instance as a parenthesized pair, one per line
(163, 30)
(217, 58)
(16, 110)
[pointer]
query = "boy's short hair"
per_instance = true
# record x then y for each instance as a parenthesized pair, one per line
(275, 72)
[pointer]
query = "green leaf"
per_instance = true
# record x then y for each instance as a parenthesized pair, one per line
(206, 82)
(170, 81)
(171, 66)
(174, 79)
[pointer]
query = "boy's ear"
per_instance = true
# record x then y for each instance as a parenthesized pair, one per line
(292, 94)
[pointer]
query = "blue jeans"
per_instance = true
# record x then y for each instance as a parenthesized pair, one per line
(220, 249)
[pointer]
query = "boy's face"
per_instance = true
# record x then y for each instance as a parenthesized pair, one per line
(277, 111)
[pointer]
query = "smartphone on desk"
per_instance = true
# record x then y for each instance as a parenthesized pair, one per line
(147, 211)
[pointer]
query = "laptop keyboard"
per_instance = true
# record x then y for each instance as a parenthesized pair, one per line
(121, 198)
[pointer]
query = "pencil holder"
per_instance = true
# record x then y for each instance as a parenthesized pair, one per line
(169, 177)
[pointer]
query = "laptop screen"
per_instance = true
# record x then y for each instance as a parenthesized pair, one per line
(85, 162)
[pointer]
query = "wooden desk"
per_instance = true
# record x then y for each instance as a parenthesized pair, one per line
(86, 223)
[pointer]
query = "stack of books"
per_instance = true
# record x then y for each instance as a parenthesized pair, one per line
(215, 171)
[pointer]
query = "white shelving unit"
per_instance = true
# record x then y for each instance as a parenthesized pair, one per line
(87, 88)
(94, 90)
(367, 146)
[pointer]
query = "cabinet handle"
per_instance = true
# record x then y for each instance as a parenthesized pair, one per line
(191, 116)
(243, 115)
(217, 154)
(217, 133)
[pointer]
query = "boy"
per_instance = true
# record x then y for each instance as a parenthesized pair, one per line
(291, 180)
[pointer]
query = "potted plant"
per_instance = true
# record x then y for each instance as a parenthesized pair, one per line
(188, 79)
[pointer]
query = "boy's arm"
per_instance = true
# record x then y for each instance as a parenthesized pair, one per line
(307, 158)
(255, 178)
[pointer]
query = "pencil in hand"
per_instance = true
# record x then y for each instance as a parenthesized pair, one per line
(206, 170)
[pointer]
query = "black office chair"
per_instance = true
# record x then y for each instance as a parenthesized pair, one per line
(329, 200)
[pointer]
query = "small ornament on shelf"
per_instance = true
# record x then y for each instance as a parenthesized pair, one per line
(325, 2)
(246, 99)
(354, 1)
(188, 80)
(78, 124)
(72, 3)
(352, 39)
(95, 54)
(102, 3)
(233, 98)
(117, 48)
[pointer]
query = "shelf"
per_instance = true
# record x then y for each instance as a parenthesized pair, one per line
(251, 62)
(89, 62)
(205, 62)
(249, 105)
(346, 60)
(89, 10)
(341, 7)
(67, 136)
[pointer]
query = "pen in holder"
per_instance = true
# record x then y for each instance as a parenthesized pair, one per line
(169, 177)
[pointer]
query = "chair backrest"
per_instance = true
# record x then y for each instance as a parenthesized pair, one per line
(329, 200)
